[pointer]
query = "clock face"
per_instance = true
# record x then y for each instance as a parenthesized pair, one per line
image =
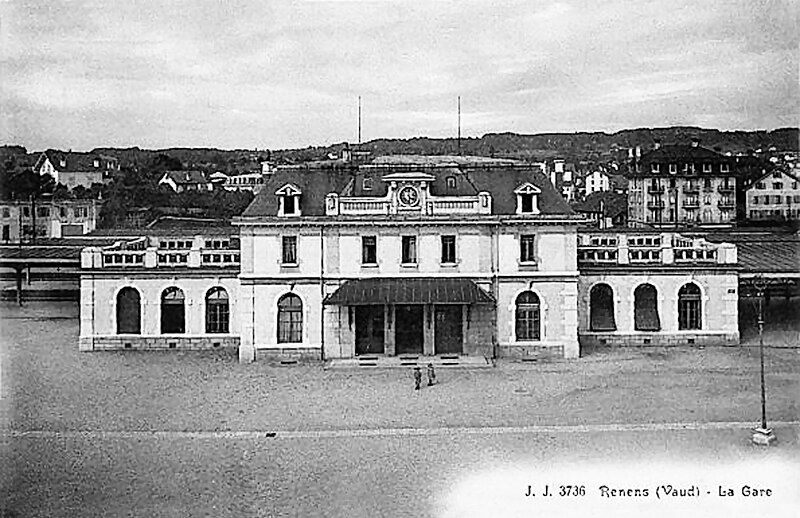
(408, 196)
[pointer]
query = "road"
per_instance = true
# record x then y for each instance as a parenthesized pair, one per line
(434, 473)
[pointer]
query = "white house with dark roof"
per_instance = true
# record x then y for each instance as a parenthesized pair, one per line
(774, 196)
(72, 169)
(181, 181)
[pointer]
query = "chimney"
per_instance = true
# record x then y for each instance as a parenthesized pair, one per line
(347, 154)
(657, 144)
(695, 142)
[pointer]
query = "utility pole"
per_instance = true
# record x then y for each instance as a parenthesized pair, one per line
(762, 435)
(459, 125)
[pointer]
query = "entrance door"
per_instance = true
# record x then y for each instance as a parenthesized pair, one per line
(408, 329)
(448, 333)
(369, 329)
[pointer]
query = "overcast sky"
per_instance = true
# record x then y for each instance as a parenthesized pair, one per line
(272, 74)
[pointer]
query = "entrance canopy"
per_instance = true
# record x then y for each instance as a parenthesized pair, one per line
(408, 291)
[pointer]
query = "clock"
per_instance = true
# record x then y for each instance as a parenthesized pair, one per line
(408, 196)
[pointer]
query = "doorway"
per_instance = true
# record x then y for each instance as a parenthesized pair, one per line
(369, 329)
(448, 333)
(408, 329)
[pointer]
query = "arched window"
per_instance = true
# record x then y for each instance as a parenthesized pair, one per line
(173, 314)
(290, 319)
(528, 317)
(601, 308)
(217, 312)
(129, 316)
(645, 308)
(689, 307)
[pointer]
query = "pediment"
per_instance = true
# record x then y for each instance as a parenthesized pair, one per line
(527, 188)
(288, 190)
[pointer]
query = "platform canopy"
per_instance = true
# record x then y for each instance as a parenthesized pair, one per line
(409, 291)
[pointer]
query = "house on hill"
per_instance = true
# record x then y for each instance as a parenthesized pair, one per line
(181, 181)
(72, 169)
(774, 196)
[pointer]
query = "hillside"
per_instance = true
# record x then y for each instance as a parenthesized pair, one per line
(576, 147)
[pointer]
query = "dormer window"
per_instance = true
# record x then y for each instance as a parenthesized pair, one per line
(366, 184)
(527, 199)
(706, 168)
(450, 182)
(725, 168)
(289, 200)
(673, 168)
(96, 162)
(655, 168)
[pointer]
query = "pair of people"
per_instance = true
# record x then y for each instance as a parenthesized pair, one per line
(418, 376)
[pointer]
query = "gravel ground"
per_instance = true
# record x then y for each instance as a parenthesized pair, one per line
(47, 384)
(454, 476)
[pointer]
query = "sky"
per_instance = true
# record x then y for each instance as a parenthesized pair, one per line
(286, 74)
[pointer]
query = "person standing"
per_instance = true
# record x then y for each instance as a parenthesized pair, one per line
(431, 375)
(417, 378)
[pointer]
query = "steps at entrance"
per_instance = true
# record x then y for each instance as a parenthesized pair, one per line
(407, 361)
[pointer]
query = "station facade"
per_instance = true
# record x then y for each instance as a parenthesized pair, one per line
(388, 260)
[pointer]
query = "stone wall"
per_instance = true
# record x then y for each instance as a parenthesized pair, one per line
(539, 352)
(289, 356)
(594, 339)
(121, 342)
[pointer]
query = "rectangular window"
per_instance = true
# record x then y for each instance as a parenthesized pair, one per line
(527, 254)
(776, 174)
(6, 232)
(43, 212)
(289, 255)
(760, 185)
(6, 212)
(409, 250)
(725, 168)
(777, 185)
(448, 249)
(81, 212)
(706, 168)
(794, 185)
(707, 183)
(527, 203)
(62, 212)
(26, 212)
(289, 205)
(655, 168)
(755, 200)
(673, 168)
(369, 250)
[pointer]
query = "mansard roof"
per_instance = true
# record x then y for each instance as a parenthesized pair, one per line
(499, 181)
(682, 153)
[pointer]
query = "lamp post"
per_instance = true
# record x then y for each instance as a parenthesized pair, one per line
(762, 435)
